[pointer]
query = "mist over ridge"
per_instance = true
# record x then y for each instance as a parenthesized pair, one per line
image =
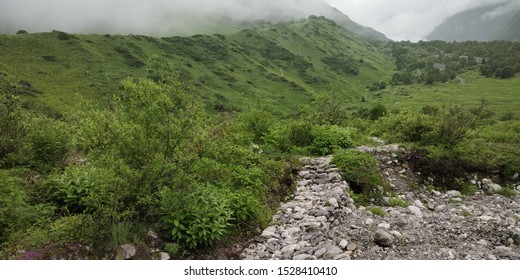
(158, 17)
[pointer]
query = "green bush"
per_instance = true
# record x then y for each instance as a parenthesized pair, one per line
(49, 141)
(195, 217)
(377, 111)
(362, 172)
(328, 138)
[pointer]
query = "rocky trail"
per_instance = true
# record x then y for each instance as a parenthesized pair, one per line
(321, 221)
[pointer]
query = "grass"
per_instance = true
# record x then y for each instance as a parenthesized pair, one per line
(377, 211)
(397, 202)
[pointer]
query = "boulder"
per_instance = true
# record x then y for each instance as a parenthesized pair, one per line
(489, 187)
(383, 238)
(128, 251)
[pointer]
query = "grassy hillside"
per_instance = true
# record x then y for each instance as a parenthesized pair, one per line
(275, 68)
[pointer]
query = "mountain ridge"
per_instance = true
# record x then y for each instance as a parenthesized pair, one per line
(492, 22)
(181, 19)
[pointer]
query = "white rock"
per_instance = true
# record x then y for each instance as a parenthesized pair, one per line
(485, 218)
(440, 208)
(343, 244)
(164, 256)
(453, 193)
(332, 202)
(268, 232)
(302, 257)
(490, 187)
(369, 222)
(415, 210)
(437, 193)
(384, 226)
(418, 203)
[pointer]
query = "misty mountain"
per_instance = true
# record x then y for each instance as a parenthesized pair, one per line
(493, 22)
(166, 18)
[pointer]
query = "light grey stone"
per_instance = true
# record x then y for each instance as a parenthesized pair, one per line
(332, 251)
(343, 244)
(332, 202)
(415, 210)
(489, 187)
(453, 193)
(128, 251)
(268, 232)
(163, 256)
(289, 249)
(333, 176)
(320, 252)
(384, 226)
(302, 257)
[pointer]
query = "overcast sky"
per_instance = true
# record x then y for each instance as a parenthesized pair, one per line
(398, 19)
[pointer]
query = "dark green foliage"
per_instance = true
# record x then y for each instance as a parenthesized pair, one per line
(507, 72)
(130, 59)
(362, 172)
(377, 111)
(342, 65)
(12, 127)
(63, 36)
(21, 31)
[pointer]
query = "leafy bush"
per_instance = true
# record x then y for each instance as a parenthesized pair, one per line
(377, 111)
(362, 172)
(195, 217)
(49, 141)
(328, 138)
(257, 123)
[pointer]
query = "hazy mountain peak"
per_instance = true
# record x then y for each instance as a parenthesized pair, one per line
(491, 22)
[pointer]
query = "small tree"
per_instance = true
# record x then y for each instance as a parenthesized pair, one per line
(507, 72)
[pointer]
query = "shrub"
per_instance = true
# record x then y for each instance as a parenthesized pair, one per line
(195, 217)
(377, 111)
(362, 172)
(257, 123)
(327, 138)
(49, 141)
(21, 31)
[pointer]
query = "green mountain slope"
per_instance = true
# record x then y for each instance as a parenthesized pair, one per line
(277, 68)
(494, 22)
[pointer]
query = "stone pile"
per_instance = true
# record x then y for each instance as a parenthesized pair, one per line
(322, 222)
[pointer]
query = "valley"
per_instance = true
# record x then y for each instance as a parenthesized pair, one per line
(140, 147)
